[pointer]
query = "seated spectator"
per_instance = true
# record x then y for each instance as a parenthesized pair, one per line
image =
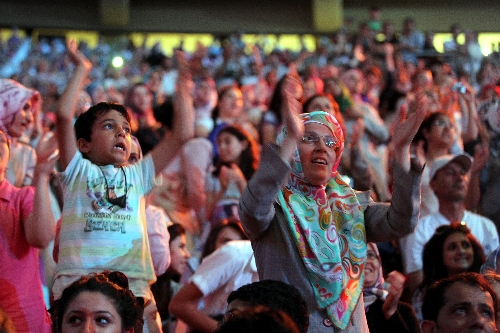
(98, 301)
(167, 284)
(237, 161)
(450, 251)
(205, 99)
(435, 138)
(449, 181)
(145, 127)
(276, 295)
(259, 319)
(375, 136)
(224, 231)
(201, 302)
(459, 304)
(228, 111)
(384, 311)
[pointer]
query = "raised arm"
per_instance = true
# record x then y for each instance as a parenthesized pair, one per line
(256, 208)
(289, 111)
(66, 107)
(39, 226)
(404, 131)
(183, 122)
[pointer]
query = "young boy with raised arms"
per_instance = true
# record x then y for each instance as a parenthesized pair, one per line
(103, 218)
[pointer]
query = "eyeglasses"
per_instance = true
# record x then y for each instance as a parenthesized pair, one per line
(330, 141)
(442, 123)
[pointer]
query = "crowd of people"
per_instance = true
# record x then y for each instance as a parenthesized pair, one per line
(353, 188)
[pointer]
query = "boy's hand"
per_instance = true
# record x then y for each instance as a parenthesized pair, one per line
(47, 153)
(77, 57)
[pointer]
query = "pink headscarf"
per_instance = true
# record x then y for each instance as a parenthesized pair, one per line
(13, 97)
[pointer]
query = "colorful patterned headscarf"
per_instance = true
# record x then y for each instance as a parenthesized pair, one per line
(13, 97)
(327, 224)
(377, 291)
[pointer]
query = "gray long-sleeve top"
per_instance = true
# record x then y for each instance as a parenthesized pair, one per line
(276, 251)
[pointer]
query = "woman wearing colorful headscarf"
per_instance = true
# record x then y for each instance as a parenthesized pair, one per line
(384, 312)
(17, 105)
(309, 228)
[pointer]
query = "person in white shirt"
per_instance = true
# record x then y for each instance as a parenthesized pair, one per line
(449, 181)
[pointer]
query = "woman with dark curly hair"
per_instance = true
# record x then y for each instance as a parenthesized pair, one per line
(450, 251)
(101, 300)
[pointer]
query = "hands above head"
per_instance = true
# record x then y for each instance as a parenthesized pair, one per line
(77, 57)
(404, 131)
(290, 110)
(184, 80)
(183, 100)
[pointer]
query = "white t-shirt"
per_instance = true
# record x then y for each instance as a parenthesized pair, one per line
(97, 234)
(412, 245)
(223, 271)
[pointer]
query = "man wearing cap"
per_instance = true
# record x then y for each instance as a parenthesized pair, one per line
(449, 181)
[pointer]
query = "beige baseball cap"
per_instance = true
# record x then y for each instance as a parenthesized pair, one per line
(464, 159)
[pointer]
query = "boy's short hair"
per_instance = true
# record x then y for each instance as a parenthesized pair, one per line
(275, 295)
(84, 123)
(434, 298)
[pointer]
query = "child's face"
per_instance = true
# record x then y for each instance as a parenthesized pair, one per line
(21, 121)
(110, 140)
(230, 148)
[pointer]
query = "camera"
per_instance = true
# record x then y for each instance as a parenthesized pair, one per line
(459, 87)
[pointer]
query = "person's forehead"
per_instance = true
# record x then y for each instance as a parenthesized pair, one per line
(452, 165)
(112, 114)
(456, 236)
(461, 292)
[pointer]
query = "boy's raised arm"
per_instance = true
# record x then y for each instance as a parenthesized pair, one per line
(183, 122)
(66, 107)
